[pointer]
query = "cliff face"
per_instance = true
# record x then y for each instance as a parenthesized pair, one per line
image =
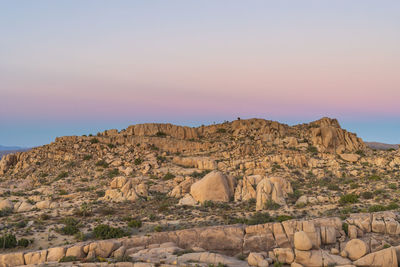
(253, 137)
(327, 135)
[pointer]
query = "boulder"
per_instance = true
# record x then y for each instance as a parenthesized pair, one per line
(272, 189)
(355, 249)
(386, 257)
(215, 186)
(6, 204)
(12, 259)
(76, 251)
(104, 248)
(302, 241)
(187, 200)
(55, 254)
(350, 157)
(35, 257)
(284, 255)
(257, 259)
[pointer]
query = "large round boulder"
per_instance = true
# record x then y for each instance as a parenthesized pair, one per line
(215, 186)
(302, 241)
(355, 249)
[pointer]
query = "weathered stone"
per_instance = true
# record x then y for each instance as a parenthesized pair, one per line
(355, 249)
(302, 241)
(386, 257)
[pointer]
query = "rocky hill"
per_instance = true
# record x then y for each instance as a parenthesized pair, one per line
(162, 177)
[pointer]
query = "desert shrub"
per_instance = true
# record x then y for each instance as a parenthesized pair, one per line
(161, 134)
(333, 187)
(354, 185)
(135, 223)
(113, 173)
(111, 145)
(104, 231)
(392, 186)
(138, 161)
(361, 153)
(8, 241)
(271, 205)
(168, 176)
(161, 158)
(259, 218)
(5, 212)
(367, 195)
(348, 199)
(105, 210)
(87, 157)
(158, 228)
(345, 228)
(102, 163)
(392, 206)
(282, 218)
(21, 224)
(374, 178)
(68, 259)
(62, 192)
(70, 226)
(375, 208)
(94, 141)
(100, 193)
(312, 149)
(23, 242)
(62, 175)
(200, 174)
(221, 130)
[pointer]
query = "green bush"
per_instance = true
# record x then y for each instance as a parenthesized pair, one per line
(94, 141)
(62, 175)
(68, 259)
(87, 157)
(102, 163)
(113, 173)
(168, 176)
(23, 242)
(367, 195)
(138, 161)
(161, 134)
(348, 199)
(135, 223)
(375, 208)
(271, 205)
(345, 228)
(374, 178)
(393, 186)
(104, 231)
(8, 241)
(111, 146)
(5, 212)
(221, 130)
(71, 227)
(312, 149)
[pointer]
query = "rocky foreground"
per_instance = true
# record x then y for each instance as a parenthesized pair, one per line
(360, 240)
(236, 193)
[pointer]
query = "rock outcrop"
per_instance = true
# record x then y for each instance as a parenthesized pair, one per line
(215, 186)
(125, 189)
(272, 189)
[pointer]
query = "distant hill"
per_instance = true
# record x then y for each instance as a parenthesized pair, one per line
(381, 146)
(4, 150)
(7, 148)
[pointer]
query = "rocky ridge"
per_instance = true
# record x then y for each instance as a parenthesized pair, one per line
(162, 177)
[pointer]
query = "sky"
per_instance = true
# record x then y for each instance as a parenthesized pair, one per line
(72, 67)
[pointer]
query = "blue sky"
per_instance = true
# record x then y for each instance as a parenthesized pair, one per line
(78, 67)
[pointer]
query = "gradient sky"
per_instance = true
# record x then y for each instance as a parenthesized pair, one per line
(79, 67)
